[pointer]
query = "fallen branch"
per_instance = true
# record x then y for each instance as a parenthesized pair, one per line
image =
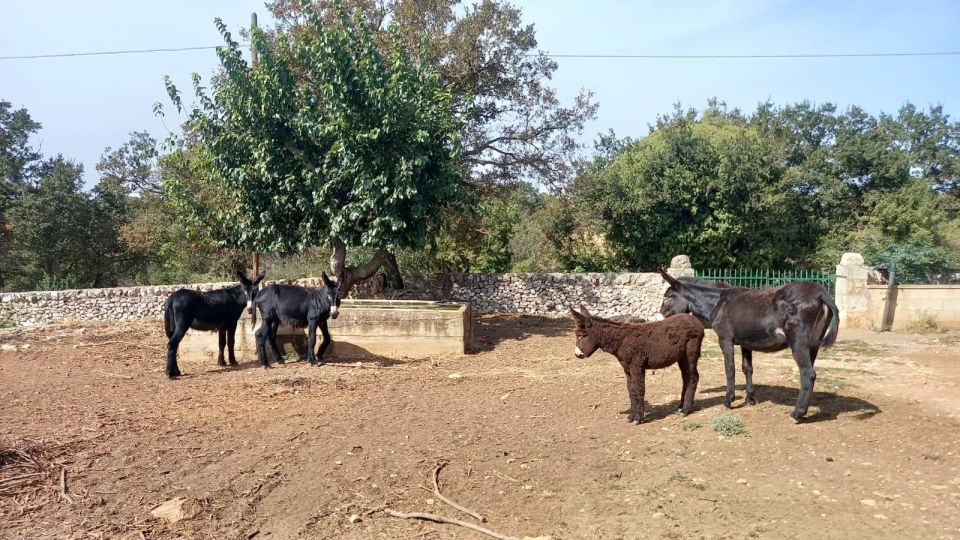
(361, 366)
(63, 485)
(130, 343)
(450, 521)
(117, 375)
(436, 491)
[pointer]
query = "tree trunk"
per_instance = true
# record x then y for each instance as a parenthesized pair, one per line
(355, 274)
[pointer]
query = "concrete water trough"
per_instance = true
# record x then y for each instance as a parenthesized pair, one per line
(365, 329)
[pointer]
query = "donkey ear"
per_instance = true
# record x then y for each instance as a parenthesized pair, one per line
(259, 278)
(242, 277)
(326, 279)
(579, 318)
(583, 309)
(670, 279)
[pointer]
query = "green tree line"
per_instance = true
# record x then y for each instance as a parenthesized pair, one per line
(423, 136)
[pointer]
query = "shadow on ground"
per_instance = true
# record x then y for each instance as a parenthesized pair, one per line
(828, 405)
(491, 330)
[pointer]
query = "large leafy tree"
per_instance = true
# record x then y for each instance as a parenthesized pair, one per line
(515, 125)
(329, 141)
(710, 187)
(62, 236)
(18, 164)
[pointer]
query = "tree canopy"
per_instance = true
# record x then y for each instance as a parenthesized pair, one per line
(327, 142)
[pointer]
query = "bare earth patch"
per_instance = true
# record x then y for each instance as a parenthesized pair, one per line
(534, 441)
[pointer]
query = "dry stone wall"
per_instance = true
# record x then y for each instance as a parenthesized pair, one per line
(631, 294)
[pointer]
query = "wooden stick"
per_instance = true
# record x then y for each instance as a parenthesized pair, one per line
(450, 521)
(334, 364)
(132, 344)
(117, 375)
(436, 491)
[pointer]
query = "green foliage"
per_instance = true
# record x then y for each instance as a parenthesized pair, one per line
(61, 235)
(728, 425)
(778, 188)
(514, 126)
(712, 189)
(327, 140)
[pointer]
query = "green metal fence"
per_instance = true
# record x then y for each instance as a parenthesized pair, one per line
(757, 279)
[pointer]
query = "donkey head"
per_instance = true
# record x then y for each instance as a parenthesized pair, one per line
(332, 293)
(250, 288)
(673, 300)
(587, 340)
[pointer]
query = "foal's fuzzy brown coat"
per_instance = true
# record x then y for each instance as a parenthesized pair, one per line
(643, 346)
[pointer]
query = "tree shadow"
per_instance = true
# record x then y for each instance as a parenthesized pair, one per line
(493, 329)
(830, 405)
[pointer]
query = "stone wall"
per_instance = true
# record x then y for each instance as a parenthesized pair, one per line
(633, 294)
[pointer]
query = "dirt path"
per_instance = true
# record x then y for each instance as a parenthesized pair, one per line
(533, 437)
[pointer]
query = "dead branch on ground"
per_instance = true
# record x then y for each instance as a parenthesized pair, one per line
(449, 521)
(436, 491)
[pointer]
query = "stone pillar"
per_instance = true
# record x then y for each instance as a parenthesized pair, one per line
(852, 298)
(680, 266)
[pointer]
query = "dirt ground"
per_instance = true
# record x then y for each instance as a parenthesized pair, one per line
(534, 440)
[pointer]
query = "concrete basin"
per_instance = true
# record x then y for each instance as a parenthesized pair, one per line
(365, 329)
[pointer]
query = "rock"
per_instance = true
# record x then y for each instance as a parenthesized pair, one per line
(741, 480)
(353, 518)
(658, 515)
(177, 509)
(868, 502)
(8, 347)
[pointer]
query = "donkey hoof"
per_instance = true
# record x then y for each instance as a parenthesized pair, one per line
(267, 366)
(750, 400)
(234, 363)
(797, 416)
(728, 403)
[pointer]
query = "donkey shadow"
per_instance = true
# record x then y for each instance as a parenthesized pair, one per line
(829, 405)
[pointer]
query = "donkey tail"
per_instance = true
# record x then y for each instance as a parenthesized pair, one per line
(831, 336)
(168, 318)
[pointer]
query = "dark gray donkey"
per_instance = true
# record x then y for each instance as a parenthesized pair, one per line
(800, 315)
(299, 307)
(213, 311)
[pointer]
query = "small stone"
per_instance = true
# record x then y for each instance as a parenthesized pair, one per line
(880, 516)
(454, 376)
(338, 462)
(176, 509)
(431, 501)
(868, 502)
(657, 515)
(353, 518)
(741, 480)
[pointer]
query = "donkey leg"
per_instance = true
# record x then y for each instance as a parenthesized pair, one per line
(801, 355)
(231, 337)
(637, 391)
(261, 337)
(747, 365)
(222, 338)
(312, 343)
(272, 335)
(629, 412)
(693, 358)
(685, 375)
(814, 351)
(726, 345)
(326, 339)
(173, 370)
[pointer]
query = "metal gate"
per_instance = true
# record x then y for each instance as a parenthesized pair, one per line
(758, 279)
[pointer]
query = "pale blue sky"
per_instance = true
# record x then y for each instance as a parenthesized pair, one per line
(88, 103)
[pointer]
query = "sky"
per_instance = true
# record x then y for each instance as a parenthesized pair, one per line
(88, 103)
